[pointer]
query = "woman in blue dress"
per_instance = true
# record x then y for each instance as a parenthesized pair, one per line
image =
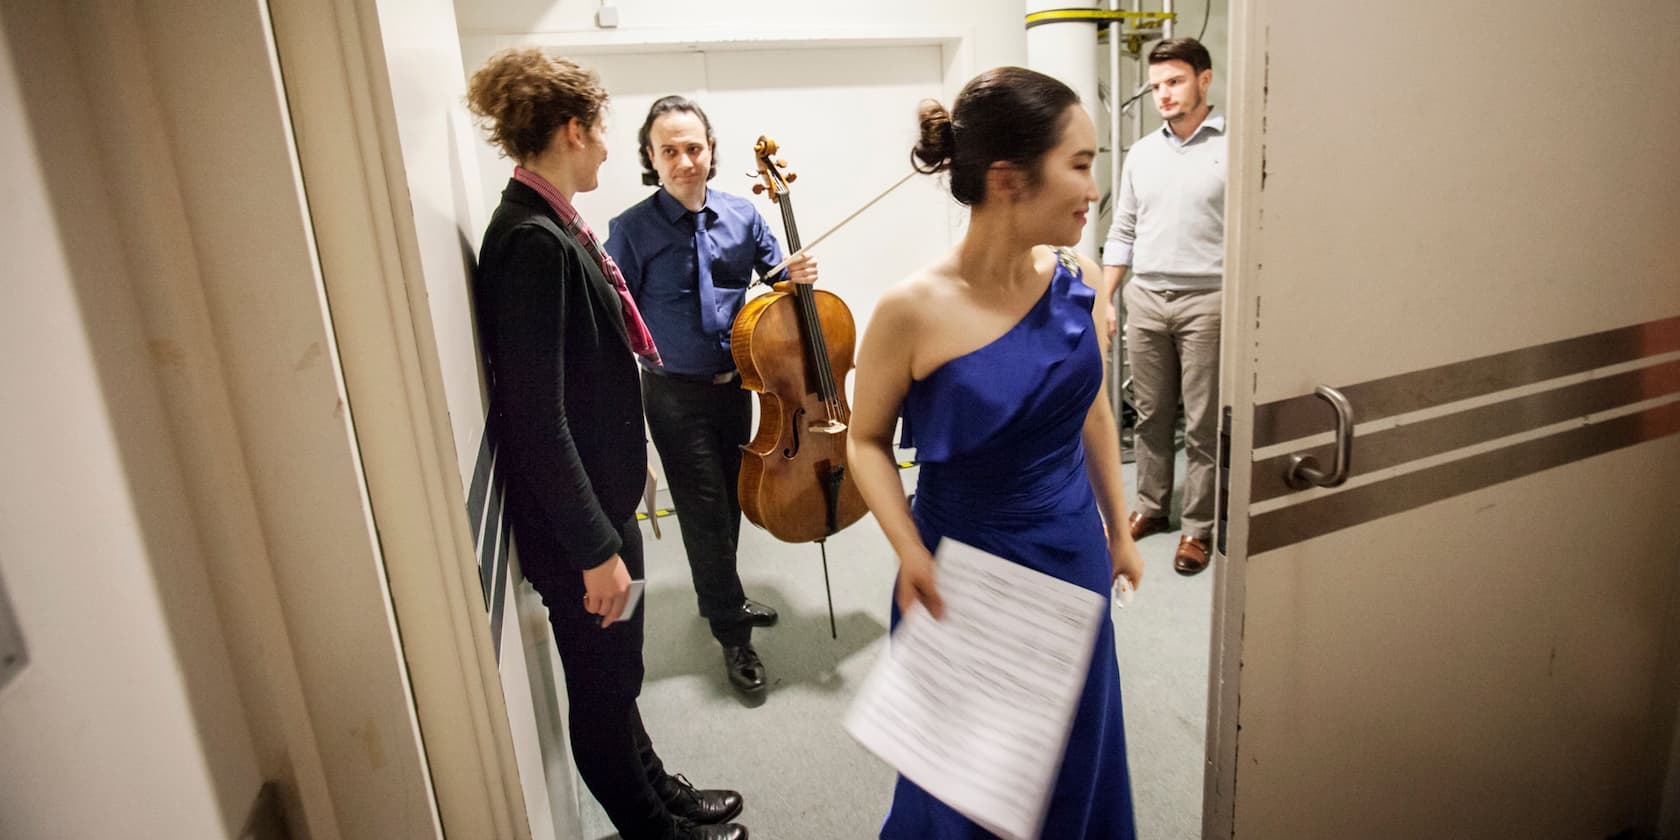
(992, 357)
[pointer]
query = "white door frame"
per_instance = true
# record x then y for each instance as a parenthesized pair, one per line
(1243, 164)
(338, 87)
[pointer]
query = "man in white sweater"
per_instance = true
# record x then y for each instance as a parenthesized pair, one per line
(1169, 231)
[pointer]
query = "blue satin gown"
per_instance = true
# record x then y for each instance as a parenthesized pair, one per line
(997, 434)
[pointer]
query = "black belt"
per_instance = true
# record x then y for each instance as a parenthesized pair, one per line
(704, 379)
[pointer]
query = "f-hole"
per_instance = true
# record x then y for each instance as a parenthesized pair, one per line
(792, 451)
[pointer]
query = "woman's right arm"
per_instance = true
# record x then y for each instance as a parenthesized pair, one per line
(883, 378)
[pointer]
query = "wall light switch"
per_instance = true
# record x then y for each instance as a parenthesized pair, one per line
(607, 17)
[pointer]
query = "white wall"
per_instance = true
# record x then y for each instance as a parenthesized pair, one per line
(970, 36)
(127, 722)
(993, 27)
(423, 56)
(836, 84)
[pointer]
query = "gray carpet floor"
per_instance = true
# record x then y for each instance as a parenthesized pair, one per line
(802, 776)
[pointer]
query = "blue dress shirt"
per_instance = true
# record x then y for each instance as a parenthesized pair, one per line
(653, 244)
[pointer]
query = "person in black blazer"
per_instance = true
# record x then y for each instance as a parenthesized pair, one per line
(559, 335)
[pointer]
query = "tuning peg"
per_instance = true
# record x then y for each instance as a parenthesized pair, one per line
(781, 163)
(792, 176)
(758, 189)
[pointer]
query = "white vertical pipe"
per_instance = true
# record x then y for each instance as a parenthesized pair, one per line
(1068, 51)
(1167, 29)
(1117, 93)
(1137, 80)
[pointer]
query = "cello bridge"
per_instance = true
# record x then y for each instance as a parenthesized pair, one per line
(827, 427)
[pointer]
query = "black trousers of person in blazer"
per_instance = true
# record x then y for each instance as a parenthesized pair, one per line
(604, 671)
(566, 410)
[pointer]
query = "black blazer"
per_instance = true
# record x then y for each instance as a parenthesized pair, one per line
(565, 395)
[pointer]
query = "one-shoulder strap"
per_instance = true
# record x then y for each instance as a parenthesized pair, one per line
(1070, 261)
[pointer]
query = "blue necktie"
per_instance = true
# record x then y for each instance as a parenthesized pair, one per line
(711, 320)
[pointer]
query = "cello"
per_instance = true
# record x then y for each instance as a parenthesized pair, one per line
(794, 347)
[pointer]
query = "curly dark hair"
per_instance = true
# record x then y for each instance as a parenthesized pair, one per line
(522, 96)
(1008, 114)
(662, 106)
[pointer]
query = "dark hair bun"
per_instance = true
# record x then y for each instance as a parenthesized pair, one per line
(938, 140)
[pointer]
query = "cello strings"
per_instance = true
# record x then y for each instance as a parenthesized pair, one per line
(817, 346)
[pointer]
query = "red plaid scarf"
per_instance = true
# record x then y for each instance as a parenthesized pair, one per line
(641, 341)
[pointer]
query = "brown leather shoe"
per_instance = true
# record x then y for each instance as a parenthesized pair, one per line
(1192, 556)
(1142, 526)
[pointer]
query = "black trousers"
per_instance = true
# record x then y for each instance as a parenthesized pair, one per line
(699, 428)
(603, 666)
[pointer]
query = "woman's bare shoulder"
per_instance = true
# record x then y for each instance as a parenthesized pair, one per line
(909, 301)
(1090, 272)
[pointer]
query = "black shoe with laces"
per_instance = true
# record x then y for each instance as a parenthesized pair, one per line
(758, 615)
(706, 807)
(684, 829)
(745, 669)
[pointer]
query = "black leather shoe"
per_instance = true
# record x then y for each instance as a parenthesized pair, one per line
(758, 615)
(745, 669)
(682, 829)
(706, 807)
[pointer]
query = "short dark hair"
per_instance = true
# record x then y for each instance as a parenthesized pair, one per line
(1008, 114)
(662, 106)
(1188, 50)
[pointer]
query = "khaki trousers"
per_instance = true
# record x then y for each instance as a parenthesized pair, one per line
(1172, 342)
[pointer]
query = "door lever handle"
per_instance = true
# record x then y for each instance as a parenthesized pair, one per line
(1304, 470)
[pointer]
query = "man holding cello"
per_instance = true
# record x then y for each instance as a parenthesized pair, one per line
(688, 254)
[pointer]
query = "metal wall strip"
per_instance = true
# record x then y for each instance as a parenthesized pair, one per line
(497, 539)
(1298, 417)
(485, 496)
(489, 514)
(477, 490)
(1403, 444)
(1327, 514)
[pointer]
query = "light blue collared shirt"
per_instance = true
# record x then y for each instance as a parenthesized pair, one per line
(1209, 123)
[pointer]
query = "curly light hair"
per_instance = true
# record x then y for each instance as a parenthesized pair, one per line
(522, 96)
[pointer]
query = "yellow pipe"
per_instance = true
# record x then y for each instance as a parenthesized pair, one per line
(1098, 16)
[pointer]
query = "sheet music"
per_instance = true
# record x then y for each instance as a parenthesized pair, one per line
(976, 709)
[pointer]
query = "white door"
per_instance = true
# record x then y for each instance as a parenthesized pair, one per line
(1464, 218)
